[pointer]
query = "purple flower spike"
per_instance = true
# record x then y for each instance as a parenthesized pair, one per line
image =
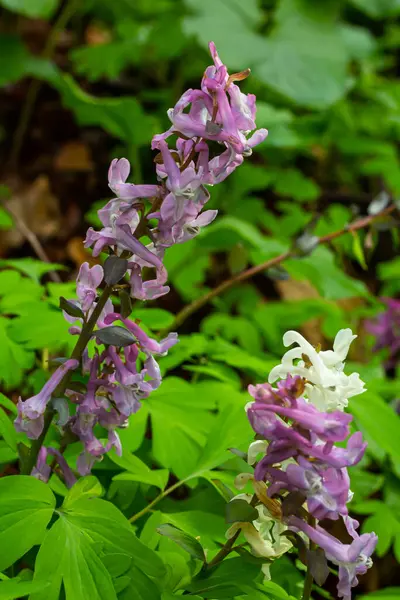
(30, 412)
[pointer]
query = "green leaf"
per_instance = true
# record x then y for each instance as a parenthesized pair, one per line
(36, 9)
(7, 431)
(304, 58)
(231, 26)
(67, 557)
(122, 117)
(70, 308)
(390, 593)
(8, 404)
(115, 336)
(12, 589)
(6, 221)
(330, 280)
(103, 523)
(16, 62)
(137, 470)
(233, 328)
(358, 251)
(364, 483)
(154, 318)
(292, 184)
(203, 524)
(141, 587)
(7, 455)
(180, 425)
(13, 357)
(231, 429)
(86, 487)
(227, 580)
(240, 511)
(32, 267)
(26, 507)
(379, 421)
(378, 9)
(114, 269)
(186, 541)
(233, 355)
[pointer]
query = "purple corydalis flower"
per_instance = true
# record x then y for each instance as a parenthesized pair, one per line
(332, 426)
(352, 559)
(327, 489)
(42, 470)
(145, 290)
(118, 174)
(87, 282)
(30, 413)
(214, 116)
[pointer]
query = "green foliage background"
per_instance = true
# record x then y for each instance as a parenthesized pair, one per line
(325, 78)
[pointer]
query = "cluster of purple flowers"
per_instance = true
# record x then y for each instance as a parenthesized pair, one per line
(386, 329)
(303, 462)
(119, 378)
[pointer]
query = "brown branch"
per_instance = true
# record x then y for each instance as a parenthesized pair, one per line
(190, 309)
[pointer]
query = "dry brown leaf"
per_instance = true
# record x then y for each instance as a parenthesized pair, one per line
(96, 35)
(78, 253)
(37, 207)
(73, 156)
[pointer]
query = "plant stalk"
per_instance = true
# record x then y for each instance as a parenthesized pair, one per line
(29, 462)
(156, 500)
(225, 550)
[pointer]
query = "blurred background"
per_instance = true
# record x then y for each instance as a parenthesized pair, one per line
(84, 81)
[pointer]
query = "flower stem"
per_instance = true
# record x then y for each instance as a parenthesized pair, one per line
(190, 309)
(308, 582)
(157, 499)
(307, 585)
(28, 462)
(225, 550)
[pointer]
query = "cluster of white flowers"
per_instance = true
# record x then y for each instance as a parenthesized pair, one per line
(327, 386)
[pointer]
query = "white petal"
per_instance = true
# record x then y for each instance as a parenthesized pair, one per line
(342, 342)
(256, 448)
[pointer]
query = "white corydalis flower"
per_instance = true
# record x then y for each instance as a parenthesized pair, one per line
(264, 534)
(327, 387)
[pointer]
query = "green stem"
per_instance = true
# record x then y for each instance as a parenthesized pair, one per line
(307, 585)
(29, 462)
(308, 582)
(225, 550)
(156, 500)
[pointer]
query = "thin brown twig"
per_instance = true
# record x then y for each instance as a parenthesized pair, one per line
(33, 240)
(190, 309)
